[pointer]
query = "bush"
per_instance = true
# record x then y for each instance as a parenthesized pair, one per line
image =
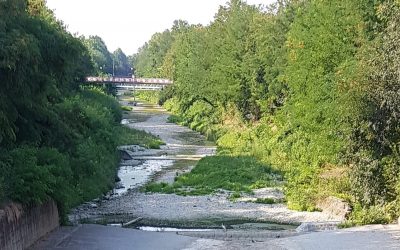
(369, 215)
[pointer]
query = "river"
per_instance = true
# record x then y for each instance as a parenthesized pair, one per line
(183, 149)
(248, 225)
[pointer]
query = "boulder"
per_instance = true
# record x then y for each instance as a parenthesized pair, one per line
(337, 208)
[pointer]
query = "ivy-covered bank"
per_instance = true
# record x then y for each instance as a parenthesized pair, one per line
(307, 87)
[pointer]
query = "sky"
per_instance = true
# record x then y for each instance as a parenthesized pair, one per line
(128, 24)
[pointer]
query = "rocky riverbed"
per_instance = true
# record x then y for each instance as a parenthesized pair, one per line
(183, 148)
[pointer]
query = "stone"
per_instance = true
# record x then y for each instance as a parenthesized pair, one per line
(337, 208)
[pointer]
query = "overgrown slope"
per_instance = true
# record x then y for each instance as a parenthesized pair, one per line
(308, 87)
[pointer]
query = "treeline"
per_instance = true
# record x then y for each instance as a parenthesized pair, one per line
(107, 63)
(57, 140)
(309, 87)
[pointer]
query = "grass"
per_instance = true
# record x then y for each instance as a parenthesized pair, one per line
(239, 174)
(129, 136)
(234, 196)
(126, 108)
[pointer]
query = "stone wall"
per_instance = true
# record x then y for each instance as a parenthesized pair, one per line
(20, 226)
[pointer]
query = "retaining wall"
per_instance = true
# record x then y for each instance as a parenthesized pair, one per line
(20, 226)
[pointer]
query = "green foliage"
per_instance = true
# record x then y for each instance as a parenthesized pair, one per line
(372, 215)
(374, 149)
(309, 87)
(40, 60)
(105, 63)
(175, 119)
(150, 96)
(121, 64)
(82, 160)
(126, 108)
(57, 140)
(149, 60)
(128, 136)
(234, 196)
(35, 174)
(166, 94)
(220, 172)
(99, 54)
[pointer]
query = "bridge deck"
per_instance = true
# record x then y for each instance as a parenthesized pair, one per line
(128, 80)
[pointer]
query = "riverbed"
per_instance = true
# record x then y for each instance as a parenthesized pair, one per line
(179, 155)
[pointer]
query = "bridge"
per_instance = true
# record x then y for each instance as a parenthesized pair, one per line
(131, 82)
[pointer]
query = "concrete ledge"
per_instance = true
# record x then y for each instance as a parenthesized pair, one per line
(317, 226)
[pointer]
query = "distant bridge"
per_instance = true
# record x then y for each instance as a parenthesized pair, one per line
(131, 83)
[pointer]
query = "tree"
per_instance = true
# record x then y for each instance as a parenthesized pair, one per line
(374, 150)
(100, 56)
(150, 57)
(121, 65)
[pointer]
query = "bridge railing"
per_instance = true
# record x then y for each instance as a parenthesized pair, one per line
(116, 80)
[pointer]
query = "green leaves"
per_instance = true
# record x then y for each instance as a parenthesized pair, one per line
(100, 56)
(121, 64)
(149, 60)
(56, 140)
(374, 148)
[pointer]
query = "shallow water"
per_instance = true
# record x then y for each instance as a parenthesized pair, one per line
(183, 149)
(136, 176)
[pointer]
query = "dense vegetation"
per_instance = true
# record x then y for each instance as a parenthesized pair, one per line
(150, 96)
(308, 87)
(57, 139)
(106, 63)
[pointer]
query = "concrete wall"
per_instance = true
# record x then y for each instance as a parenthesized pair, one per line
(21, 226)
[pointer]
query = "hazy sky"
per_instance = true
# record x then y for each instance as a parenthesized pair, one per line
(128, 24)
